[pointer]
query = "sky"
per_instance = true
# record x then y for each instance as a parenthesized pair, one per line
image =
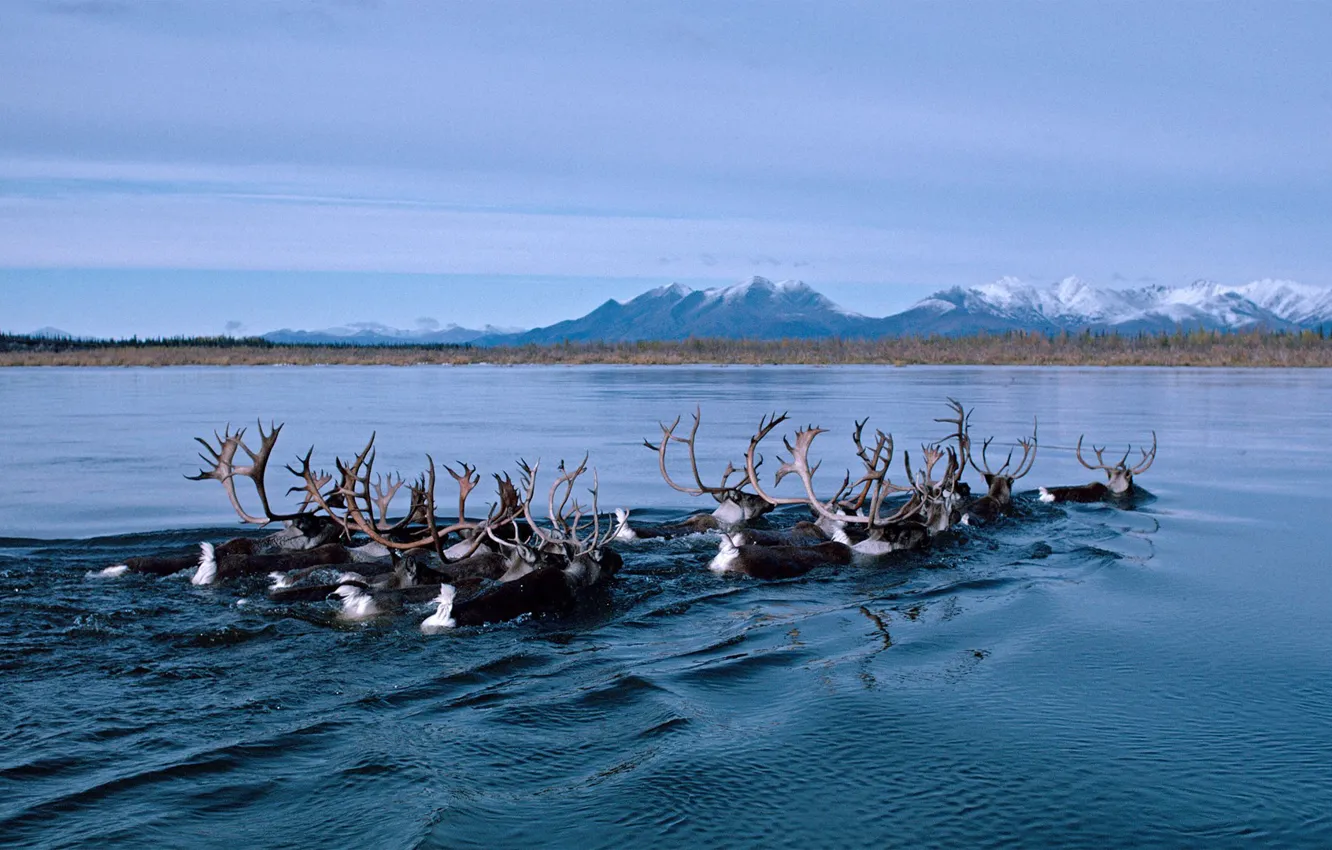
(183, 167)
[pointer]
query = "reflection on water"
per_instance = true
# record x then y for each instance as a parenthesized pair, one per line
(1076, 676)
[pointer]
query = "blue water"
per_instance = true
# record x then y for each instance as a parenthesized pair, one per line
(1081, 676)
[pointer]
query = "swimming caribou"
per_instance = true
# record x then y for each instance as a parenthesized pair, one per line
(1119, 477)
(998, 497)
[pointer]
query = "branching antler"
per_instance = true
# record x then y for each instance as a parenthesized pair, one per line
(363, 521)
(567, 517)
(467, 481)
(1024, 464)
(753, 461)
(1148, 457)
(876, 462)
(962, 422)
(313, 490)
(222, 461)
(312, 484)
(359, 500)
(668, 436)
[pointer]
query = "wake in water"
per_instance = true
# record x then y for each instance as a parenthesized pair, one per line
(660, 644)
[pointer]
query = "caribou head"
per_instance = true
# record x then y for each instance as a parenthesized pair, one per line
(999, 482)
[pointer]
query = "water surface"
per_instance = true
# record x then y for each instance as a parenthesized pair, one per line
(1080, 676)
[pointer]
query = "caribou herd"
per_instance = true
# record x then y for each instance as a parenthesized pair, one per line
(344, 539)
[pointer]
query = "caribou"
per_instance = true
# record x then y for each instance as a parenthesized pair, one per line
(546, 569)
(998, 498)
(301, 531)
(696, 524)
(1119, 477)
(871, 515)
(776, 561)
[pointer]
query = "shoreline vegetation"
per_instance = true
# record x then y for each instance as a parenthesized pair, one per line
(1195, 348)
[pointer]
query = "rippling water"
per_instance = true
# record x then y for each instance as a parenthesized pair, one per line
(1078, 676)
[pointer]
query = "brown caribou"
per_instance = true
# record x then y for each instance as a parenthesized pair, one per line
(999, 482)
(1119, 477)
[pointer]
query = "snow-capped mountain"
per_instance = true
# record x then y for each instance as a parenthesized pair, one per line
(1309, 306)
(755, 309)
(1073, 304)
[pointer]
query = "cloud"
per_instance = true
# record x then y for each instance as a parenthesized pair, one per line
(898, 142)
(234, 327)
(425, 323)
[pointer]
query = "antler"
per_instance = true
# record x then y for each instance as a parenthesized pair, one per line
(1024, 463)
(467, 481)
(799, 466)
(558, 516)
(363, 520)
(595, 539)
(313, 490)
(355, 486)
(667, 437)
(925, 477)
(222, 459)
(1122, 463)
(528, 484)
(566, 515)
(875, 480)
(1148, 458)
(754, 461)
(963, 423)
(1027, 462)
(314, 483)
(875, 476)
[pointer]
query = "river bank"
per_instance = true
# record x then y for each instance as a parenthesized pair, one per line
(1194, 349)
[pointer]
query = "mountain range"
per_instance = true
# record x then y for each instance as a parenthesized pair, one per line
(374, 333)
(761, 309)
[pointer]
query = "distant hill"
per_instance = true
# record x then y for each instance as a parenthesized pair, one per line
(51, 333)
(373, 333)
